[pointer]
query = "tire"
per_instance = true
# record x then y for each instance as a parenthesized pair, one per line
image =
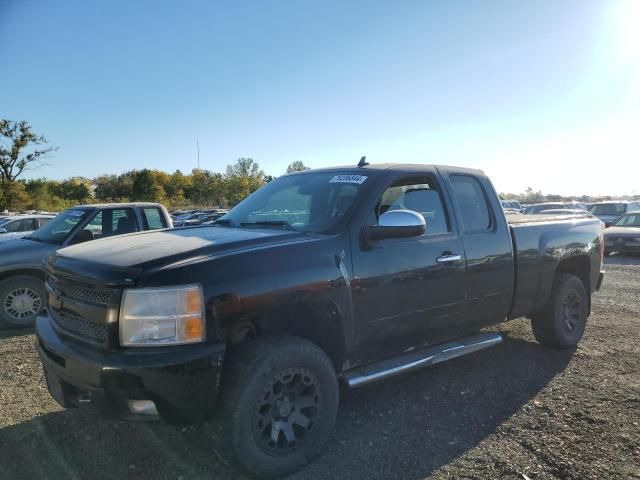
(278, 406)
(562, 322)
(22, 297)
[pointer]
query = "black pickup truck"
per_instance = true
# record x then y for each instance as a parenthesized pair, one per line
(22, 292)
(344, 275)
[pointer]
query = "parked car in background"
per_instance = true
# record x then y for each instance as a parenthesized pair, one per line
(20, 226)
(22, 292)
(199, 217)
(512, 211)
(623, 235)
(610, 211)
(539, 207)
(344, 275)
(511, 205)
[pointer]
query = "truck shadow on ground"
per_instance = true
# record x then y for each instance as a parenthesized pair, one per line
(16, 332)
(402, 428)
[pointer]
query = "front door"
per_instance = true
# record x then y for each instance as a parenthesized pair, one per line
(408, 292)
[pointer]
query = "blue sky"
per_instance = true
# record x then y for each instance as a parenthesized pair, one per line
(543, 94)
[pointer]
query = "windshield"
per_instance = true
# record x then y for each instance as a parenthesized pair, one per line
(629, 220)
(59, 227)
(4, 220)
(608, 209)
(306, 202)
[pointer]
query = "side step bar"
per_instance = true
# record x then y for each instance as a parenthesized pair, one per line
(419, 359)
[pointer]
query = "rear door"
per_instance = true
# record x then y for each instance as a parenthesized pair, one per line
(487, 249)
(408, 292)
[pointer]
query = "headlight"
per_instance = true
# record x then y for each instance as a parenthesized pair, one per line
(162, 316)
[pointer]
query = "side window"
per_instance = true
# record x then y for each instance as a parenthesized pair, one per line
(472, 202)
(12, 227)
(123, 220)
(153, 219)
(95, 226)
(25, 225)
(421, 195)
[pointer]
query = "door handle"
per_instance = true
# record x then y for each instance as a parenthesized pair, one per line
(448, 258)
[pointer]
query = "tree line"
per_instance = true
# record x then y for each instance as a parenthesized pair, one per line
(22, 150)
(536, 196)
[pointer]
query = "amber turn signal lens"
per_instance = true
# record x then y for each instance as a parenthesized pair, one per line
(192, 328)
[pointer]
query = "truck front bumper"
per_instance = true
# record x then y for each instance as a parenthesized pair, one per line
(178, 384)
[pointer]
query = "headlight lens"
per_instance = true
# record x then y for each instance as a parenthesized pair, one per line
(162, 316)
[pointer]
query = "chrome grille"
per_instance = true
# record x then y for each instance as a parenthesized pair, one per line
(99, 297)
(80, 327)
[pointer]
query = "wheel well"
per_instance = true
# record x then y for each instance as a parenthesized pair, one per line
(320, 324)
(30, 272)
(578, 266)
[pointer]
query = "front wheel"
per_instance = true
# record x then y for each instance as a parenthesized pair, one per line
(562, 321)
(21, 298)
(279, 404)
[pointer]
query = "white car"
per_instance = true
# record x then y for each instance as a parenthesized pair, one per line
(21, 225)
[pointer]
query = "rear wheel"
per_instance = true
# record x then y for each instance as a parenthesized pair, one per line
(279, 404)
(562, 322)
(21, 298)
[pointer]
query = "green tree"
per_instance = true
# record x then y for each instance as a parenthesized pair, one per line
(15, 196)
(20, 149)
(76, 189)
(146, 187)
(296, 166)
(243, 178)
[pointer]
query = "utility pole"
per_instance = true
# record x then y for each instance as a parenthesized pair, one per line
(198, 149)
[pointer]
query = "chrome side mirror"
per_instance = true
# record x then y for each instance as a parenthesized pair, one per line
(397, 224)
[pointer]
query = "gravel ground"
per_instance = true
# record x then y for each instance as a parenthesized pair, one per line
(516, 411)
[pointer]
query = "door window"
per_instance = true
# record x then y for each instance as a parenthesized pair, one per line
(95, 225)
(421, 195)
(25, 225)
(123, 220)
(153, 219)
(472, 203)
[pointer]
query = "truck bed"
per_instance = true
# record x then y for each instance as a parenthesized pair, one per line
(540, 242)
(514, 219)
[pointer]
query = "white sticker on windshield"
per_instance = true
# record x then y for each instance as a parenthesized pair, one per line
(76, 213)
(358, 179)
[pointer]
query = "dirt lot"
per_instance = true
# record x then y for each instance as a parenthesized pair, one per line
(516, 411)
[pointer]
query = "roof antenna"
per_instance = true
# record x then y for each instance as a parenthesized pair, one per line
(363, 162)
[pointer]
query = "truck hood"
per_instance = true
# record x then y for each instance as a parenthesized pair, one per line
(119, 260)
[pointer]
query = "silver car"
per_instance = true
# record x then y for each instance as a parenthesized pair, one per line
(21, 225)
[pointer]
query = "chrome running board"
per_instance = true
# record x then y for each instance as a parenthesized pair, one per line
(419, 359)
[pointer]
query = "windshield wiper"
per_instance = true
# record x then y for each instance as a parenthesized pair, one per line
(269, 223)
